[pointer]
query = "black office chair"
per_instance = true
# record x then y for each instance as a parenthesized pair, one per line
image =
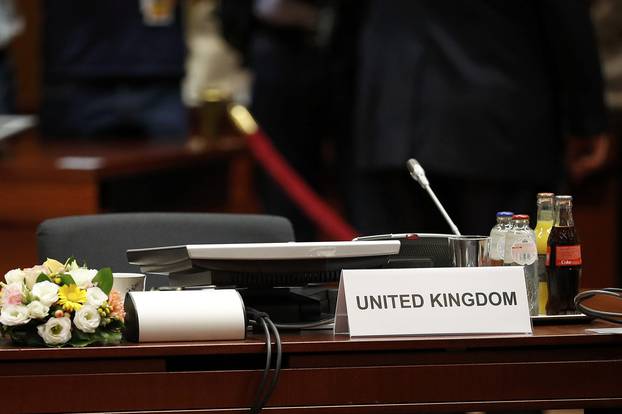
(102, 240)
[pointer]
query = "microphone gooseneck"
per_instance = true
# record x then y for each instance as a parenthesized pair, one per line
(418, 174)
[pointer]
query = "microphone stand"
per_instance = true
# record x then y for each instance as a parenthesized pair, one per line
(418, 174)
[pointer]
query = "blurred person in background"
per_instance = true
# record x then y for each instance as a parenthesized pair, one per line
(497, 100)
(11, 24)
(302, 57)
(607, 15)
(211, 63)
(113, 68)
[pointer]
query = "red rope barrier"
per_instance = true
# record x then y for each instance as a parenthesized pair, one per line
(322, 214)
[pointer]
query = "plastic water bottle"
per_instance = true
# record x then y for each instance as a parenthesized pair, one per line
(521, 250)
(497, 237)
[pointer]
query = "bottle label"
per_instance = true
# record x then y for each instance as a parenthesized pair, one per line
(524, 251)
(548, 256)
(568, 255)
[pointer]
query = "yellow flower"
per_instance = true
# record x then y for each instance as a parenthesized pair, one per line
(71, 297)
(54, 266)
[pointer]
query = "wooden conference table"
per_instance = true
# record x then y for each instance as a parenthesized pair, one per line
(560, 366)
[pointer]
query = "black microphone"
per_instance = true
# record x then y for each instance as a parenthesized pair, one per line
(418, 174)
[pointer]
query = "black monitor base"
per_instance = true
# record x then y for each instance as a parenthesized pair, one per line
(292, 305)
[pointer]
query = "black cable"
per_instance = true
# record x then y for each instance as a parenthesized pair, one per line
(277, 365)
(256, 406)
(263, 394)
(614, 317)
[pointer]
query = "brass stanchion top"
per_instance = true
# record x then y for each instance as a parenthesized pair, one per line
(243, 119)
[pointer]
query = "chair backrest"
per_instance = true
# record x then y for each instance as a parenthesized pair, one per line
(102, 240)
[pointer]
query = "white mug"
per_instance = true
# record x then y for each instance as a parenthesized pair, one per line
(128, 282)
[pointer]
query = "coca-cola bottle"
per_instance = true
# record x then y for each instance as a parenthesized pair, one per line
(563, 260)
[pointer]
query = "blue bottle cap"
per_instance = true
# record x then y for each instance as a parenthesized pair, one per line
(505, 214)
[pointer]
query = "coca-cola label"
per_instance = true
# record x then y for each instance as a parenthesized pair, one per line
(568, 255)
(524, 251)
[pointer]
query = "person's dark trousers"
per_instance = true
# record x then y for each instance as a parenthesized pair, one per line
(304, 114)
(114, 108)
(118, 111)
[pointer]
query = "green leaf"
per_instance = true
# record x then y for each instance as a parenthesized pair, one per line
(25, 335)
(103, 279)
(42, 278)
(115, 325)
(80, 339)
(66, 279)
(111, 338)
(100, 337)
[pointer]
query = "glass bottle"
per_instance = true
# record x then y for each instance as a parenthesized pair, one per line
(563, 260)
(497, 237)
(543, 229)
(521, 250)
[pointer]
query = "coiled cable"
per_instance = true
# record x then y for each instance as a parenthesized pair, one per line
(615, 317)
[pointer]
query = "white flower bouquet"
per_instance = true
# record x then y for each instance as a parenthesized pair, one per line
(58, 304)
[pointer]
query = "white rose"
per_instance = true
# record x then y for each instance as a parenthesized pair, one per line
(37, 310)
(31, 274)
(87, 319)
(82, 276)
(46, 292)
(56, 331)
(14, 315)
(14, 276)
(95, 296)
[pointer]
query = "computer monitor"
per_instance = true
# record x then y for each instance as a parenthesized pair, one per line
(280, 276)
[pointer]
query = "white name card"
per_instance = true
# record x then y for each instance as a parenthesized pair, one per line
(432, 301)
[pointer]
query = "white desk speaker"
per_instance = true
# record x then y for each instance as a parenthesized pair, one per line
(184, 315)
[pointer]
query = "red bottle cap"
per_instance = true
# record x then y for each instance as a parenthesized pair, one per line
(520, 217)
